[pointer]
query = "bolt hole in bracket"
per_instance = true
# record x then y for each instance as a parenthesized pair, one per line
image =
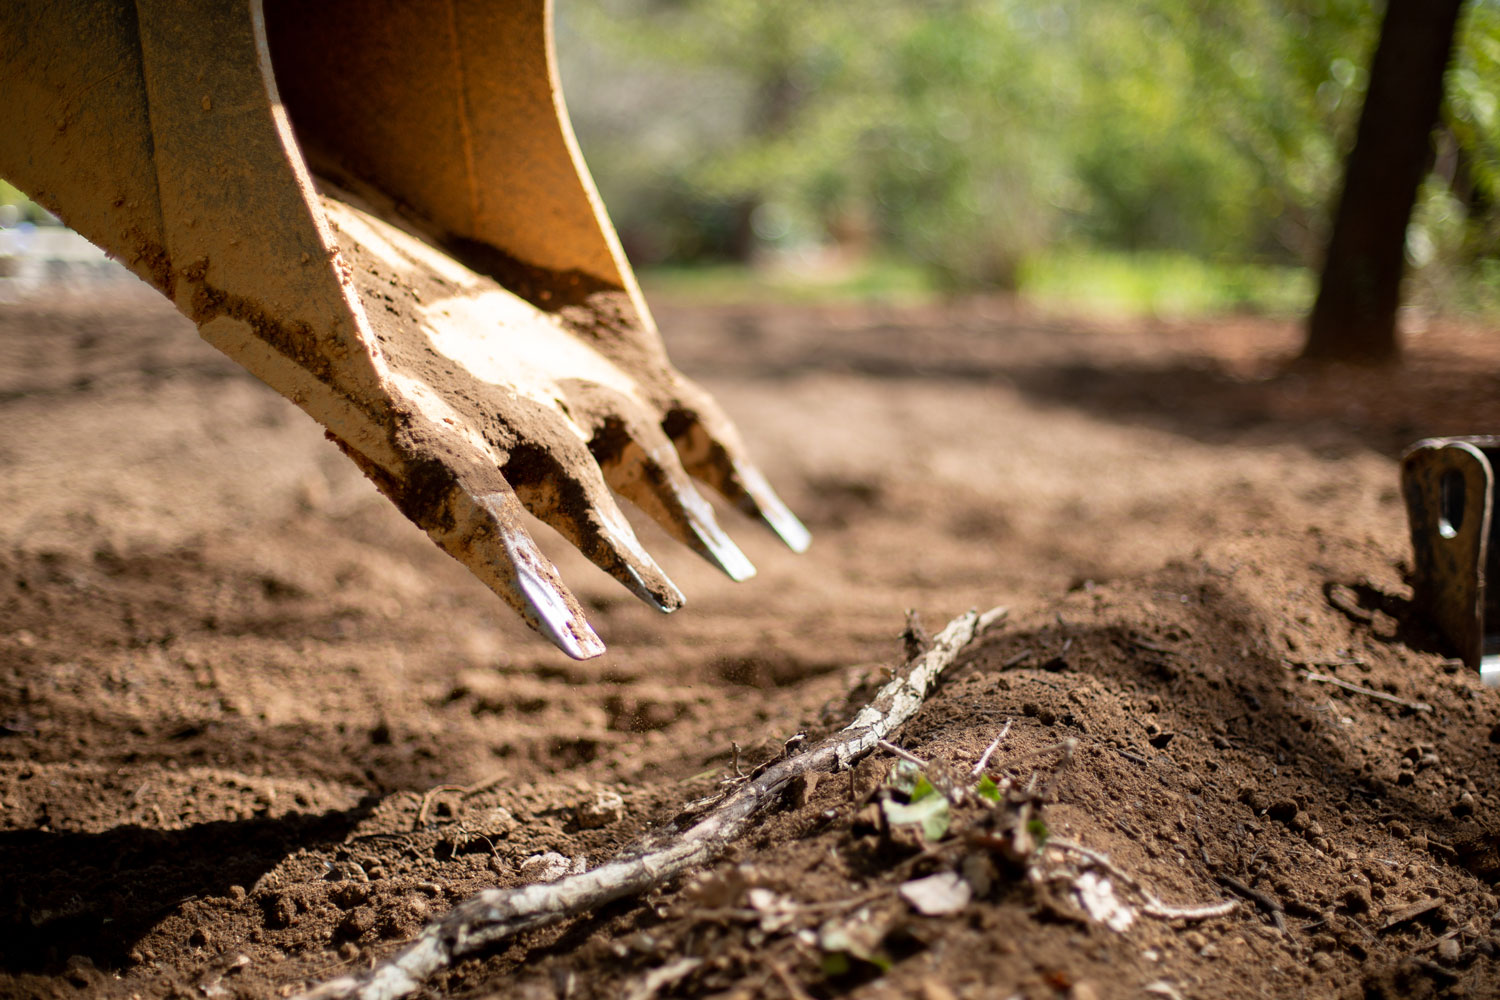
(1449, 487)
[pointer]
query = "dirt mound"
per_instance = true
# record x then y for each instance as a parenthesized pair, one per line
(255, 730)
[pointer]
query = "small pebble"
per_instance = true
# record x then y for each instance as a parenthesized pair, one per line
(80, 971)
(280, 910)
(1356, 899)
(1283, 811)
(499, 821)
(605, 809)
(545, 867)
(356, 923)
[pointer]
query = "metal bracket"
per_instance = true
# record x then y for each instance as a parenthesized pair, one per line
(1449, 486)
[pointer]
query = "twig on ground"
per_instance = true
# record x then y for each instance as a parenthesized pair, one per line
(1415, 706)
(1349, 662)
(1269, 904)
(1153, 905)
(792, 906)
(493, 915)
(989, 751)
(1347, 601)
(736, 779)
(905, 755)
(1152, 647)
(989, 618)
(427, 798)
(465, 790)
(664, 977)
(793, 988)
(1445, 848)
(1067, 746)
(914, 637)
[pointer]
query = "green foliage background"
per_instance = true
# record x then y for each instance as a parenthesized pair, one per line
(974, 137)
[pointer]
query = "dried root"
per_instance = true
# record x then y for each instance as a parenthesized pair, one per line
(496, 914)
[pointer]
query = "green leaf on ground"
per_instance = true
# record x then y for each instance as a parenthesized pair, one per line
(931, 813)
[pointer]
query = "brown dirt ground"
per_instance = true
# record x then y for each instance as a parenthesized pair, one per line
(229, 671)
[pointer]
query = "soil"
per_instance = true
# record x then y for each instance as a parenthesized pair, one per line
(255, 730)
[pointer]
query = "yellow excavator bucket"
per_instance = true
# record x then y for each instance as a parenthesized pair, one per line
(379, 209)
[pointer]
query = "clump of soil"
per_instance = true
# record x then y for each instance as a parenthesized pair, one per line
(255, 730)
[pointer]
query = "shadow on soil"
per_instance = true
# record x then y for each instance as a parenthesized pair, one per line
(1187, 390)
(95, 895)
(1333, 410)
(1249, 714)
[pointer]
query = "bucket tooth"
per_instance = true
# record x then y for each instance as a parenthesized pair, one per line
(380, 211)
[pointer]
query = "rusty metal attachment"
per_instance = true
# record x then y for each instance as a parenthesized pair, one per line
(1449, 486)
(380, 210)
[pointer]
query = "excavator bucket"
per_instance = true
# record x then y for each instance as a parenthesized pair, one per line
(379, 209)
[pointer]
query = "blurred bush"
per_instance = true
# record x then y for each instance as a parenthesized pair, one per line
(969, 137)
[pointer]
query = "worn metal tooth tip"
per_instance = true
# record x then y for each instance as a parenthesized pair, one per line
(713, 544)
(664, 596)
(726, 555)
(557, 613)
(765, 502)
(581, 647)
(781, 520)
(786, 525)
(627, 561)
(572, 634)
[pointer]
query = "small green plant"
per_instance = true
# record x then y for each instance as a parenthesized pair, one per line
(1038, 830)
(925, 806)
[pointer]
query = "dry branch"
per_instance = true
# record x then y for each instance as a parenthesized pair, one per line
(1153, 904)
(496, 914)
(1415, 706)
(905, 755)
(989, 751)
(464, 790)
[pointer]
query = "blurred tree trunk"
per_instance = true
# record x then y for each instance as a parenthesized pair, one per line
(1354, 318)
